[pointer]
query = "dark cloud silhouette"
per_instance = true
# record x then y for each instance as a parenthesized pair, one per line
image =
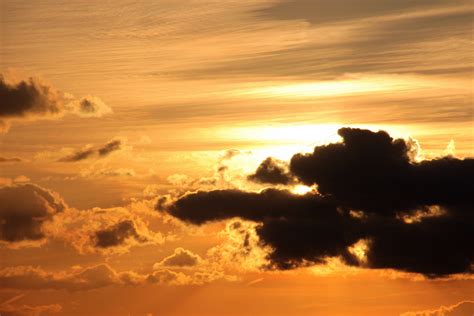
(111, 146)
(23, 210)
(412, 216)
(271, 171)
(312, 223)
(117, 234)
(29, 97)
(32, 99)
(79, 155)
(373, 172)
(89, 152)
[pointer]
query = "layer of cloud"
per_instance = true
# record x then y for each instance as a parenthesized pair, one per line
(79, 279)
(90, 151)
(106, 231)
(95, 277)
(24, 209)
(464, 308)
(32, 99)
(31, 215)
(374, 207)
(11, 308)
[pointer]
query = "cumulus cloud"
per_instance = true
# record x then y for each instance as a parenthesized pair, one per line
(372, 172)
(24, 209)
(32, 99)
(180, 258)
(116, 234)
(271, 171)
(367, 190)
(91, 151)
(104, 231)
(463, 308)
(89, 106)
(31, 215)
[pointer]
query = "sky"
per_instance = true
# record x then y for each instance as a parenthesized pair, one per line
(252, 157)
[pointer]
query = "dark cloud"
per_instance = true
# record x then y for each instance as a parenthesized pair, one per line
(271, 171)
(117, 234)
(412, 216)
(79, 155)
(90, 107)
(372, 172)
(89, 152)
(111, 146)
(33, 99)
(28, 97)
(23, 210)
(307, 227)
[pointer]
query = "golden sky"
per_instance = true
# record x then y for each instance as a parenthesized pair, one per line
(134, 138)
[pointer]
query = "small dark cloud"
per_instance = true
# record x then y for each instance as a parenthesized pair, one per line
(23, 210)
(117, 234)
(79, 155)
(111, 146)
(412, 216)
(89, 152)
(272, 171)
(33, 99)
(90, 107)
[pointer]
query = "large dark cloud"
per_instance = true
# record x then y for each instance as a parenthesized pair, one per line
(372, 172)
(89, 152)
(23, 210)
(414, 216)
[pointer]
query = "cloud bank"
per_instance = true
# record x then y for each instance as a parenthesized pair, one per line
(374, 207)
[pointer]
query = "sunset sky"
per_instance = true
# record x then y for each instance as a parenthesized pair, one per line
(251, 157)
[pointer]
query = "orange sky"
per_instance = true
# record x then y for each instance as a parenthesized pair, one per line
(125, 103)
